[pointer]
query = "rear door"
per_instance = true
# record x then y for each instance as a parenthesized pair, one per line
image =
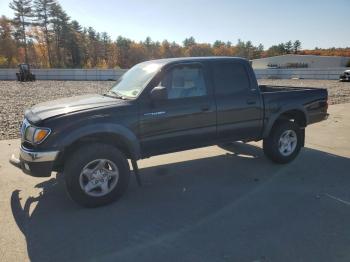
(239, 107)
(187, 118)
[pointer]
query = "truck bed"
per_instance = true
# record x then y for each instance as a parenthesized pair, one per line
(312, 100)
(269, 88)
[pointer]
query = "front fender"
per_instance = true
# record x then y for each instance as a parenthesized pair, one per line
(128, 137)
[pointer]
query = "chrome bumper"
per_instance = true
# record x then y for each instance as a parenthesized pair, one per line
(34, 163)
(32, 156)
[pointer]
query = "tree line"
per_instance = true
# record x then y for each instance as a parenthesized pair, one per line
(42, 34)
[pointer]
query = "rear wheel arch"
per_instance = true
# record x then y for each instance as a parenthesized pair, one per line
(295, 115)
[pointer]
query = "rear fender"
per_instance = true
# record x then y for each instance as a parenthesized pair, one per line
(277, 115)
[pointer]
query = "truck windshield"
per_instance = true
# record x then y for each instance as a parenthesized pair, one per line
(135, 79)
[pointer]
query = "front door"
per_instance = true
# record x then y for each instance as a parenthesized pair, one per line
(186, 119)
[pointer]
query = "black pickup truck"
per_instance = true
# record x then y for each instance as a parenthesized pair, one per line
(158, 107)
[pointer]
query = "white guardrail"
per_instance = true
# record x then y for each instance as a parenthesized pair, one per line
(114, 74)
(302, 73)
(67, 74)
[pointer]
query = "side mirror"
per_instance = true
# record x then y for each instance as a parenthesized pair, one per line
(159, 93)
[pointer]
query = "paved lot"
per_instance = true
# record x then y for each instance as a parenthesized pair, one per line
(210, 204)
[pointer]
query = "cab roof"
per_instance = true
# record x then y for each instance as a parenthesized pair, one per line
(165, 61)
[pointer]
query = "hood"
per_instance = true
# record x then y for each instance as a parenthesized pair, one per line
(63, 106)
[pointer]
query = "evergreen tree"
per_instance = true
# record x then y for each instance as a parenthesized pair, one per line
(123, 45)
(106, 41)
(76, 44)
(241, 49)
(60, 23)
(282, 49)
(289, 47)
(188, 42)
(42, 12)
(296, 46)
(218, 44)
(22, 19)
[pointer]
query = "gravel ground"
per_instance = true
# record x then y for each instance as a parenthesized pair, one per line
(15, 96)
(338, 92)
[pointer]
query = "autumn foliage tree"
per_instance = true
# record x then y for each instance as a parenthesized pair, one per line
(8, 48)
(42, 34)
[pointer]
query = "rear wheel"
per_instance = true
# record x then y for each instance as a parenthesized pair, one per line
(284, 142)
(96, 175)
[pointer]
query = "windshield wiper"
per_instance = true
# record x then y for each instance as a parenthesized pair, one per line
(115, 94)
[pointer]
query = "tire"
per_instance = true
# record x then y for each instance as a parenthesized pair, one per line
(278, 150)
(81, 186)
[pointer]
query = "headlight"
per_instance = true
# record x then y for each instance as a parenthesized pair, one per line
(36, 135)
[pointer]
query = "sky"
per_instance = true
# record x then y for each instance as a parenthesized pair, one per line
(316, 23)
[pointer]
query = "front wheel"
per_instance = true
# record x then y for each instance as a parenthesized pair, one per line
(96, 175)
(284, 142)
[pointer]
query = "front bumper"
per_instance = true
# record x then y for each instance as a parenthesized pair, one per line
(34, 163)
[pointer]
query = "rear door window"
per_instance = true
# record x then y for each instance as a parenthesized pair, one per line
(230, 78)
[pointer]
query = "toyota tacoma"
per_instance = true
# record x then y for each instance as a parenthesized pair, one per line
(158, 107)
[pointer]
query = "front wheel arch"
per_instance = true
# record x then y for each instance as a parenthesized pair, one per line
(115, 140)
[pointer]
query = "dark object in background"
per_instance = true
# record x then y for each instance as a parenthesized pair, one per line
(24, 74)
(345, 77)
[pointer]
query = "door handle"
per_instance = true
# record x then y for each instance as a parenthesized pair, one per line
(205, 108)
(251, 101)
